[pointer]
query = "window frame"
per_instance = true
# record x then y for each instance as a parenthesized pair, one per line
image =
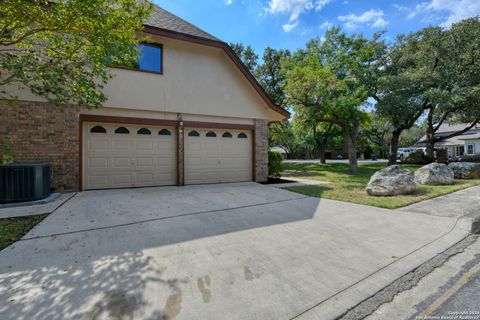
(473, 149)
(115, 131)
(192, 134)
(143, 132)
(163, 132)
(159, 45)
(211, 134)
(98, 132)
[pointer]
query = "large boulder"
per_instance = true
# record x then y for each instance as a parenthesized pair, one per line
(391, 181)
(435, 174)
(465, 170)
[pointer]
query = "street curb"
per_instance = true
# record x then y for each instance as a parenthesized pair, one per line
(409, 280)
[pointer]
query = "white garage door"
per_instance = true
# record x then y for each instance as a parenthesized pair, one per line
(119, 156)
(215, 156)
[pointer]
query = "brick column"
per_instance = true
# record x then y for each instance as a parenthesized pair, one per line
(180, 151)
(261, 150)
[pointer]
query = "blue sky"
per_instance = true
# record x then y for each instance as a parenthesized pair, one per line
(291, 23)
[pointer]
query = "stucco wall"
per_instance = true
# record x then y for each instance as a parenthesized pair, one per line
(196, 80)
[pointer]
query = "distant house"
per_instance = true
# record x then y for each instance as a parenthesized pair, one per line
(466, 144)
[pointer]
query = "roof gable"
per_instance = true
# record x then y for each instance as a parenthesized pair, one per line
(161, 18)
(166, 24)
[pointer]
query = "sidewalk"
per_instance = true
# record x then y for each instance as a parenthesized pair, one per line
(463, 204)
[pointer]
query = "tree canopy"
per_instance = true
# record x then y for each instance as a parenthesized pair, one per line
(332, 75)
(61, 50)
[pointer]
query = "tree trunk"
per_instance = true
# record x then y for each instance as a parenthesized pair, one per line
(351, 135)
(430, 152)
(321, 151)
(392, 158)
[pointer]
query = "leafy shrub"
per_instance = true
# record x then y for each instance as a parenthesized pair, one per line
(275, 166)
(469, 158)
(416, 157)
(7, 155)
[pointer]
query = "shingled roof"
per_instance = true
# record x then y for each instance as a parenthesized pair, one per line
(161, 18)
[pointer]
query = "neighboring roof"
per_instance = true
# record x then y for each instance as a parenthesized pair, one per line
(161, 18)
(447, 129)
(472, 136)
(166, 24)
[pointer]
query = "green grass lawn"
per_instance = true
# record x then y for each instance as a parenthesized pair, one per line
(344, 186)
(12, 229)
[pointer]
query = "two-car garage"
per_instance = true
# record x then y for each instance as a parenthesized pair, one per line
(119, 155)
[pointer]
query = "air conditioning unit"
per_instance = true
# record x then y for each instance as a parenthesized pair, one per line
(24, 182)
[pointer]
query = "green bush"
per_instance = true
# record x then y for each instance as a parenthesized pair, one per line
(275, 166)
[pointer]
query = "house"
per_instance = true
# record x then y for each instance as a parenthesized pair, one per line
(466, 144)
(191, 114)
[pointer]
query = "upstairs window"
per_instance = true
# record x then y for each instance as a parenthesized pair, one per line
(150, 58)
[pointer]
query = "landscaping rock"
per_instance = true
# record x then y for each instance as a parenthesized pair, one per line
(434, 174)
(465, 170)
(392, 181)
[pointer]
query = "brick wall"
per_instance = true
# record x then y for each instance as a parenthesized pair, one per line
(261, 150)
(43, 133)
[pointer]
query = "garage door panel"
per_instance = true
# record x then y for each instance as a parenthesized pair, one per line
(144, 146)
(145, 163)
(122, 179)
(121, 163)
(217, 159)
(98, 145)
(211, 146)
(114, 160)
(145, 178)
(100, 181)
(194, 145)
(98, 163)
(121, 146)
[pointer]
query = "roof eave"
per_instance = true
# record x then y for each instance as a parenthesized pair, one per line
(230, 53)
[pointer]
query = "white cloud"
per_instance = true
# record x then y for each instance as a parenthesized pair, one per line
(228, 2)
(289, 26)
(326, 25)
(294, 8)
(379, 23)
(461, 9)
(372, 18)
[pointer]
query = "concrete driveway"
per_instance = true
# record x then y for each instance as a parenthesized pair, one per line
(236, 251)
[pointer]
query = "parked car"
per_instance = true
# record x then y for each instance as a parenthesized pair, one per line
(402, 153)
